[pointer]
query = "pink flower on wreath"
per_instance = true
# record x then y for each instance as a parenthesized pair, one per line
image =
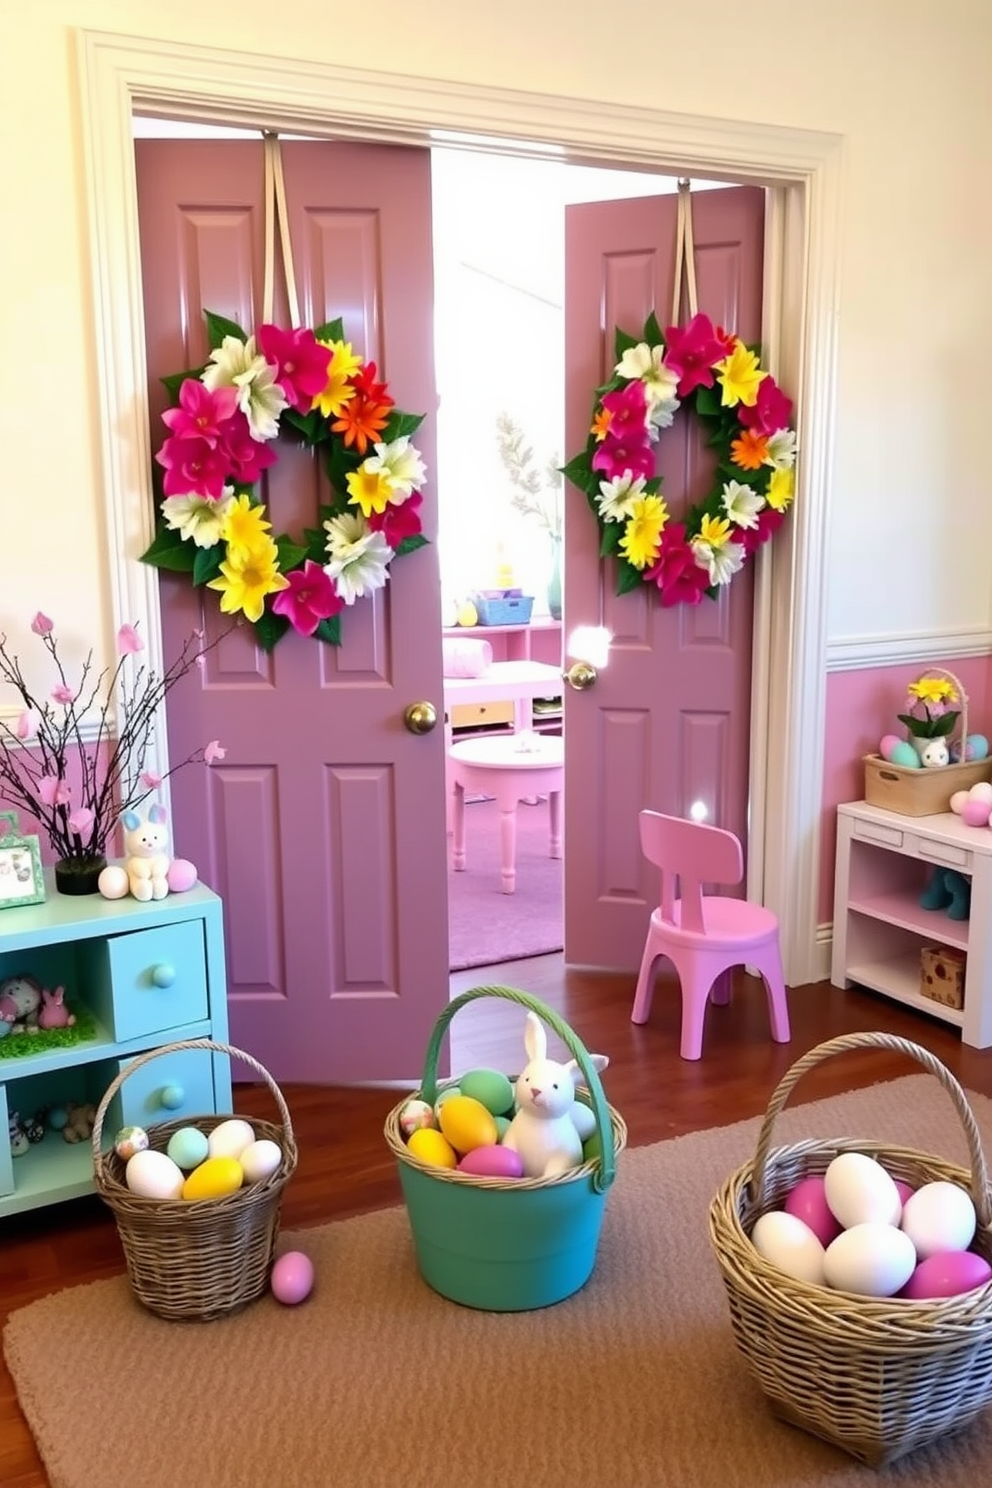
(301, 361)
(769, 521)
(247, 457)
(770, 412)
(691, 353)
(615, 457)
(627, 407)
(202, 411)
(679, 578)
(310, 598)
(193, 467)
(53, 791)
(399, 522)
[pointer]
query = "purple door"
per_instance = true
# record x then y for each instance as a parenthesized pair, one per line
(667, 724)
(323, 828)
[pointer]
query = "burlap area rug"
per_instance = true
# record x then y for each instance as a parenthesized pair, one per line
(376, 1382)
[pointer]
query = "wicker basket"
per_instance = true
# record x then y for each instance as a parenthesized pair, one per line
(918, 792)
(199, 1260)
(507, 1245)
(877, 1378)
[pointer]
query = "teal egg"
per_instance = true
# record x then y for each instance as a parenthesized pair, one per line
(187, 1148)
(490, 1088)
(502, 1126)
(904, 754)
(977, 747)
(592, 1147)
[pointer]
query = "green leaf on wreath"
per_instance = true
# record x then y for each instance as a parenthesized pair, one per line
(331, 330)
(411, 544)
(316, 541)
(579, 472)
(610, 541)
(313, 426)
(167, 550)
(621, 342)
(270, 628)
(329, 631)
(218, 326)
(339, 462)
(208, 562)
(628, 578)
(291, 555)
(652, 331)
(708, 402)
(400, 424)
(174, 381)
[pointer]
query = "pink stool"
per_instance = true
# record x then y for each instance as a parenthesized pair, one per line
(498, 767)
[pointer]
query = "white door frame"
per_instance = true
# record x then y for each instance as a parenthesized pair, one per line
(801, 169)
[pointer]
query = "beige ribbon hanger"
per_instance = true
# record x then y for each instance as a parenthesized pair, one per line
(685, 254)
(275, 209)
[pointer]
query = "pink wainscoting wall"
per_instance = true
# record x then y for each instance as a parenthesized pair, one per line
(861, 707)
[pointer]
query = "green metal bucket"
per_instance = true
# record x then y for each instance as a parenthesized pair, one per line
(508, 1245)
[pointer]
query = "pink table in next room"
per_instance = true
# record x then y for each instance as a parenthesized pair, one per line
(498, 767)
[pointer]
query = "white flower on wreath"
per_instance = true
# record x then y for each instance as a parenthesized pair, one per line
(721, 563)
(260, 398)
(617, 496)
(660, 383)
(400, 464)
(742, 504)
(198, 519)
(781, 450)
(359, 557)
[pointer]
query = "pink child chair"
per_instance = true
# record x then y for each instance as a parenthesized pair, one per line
(704, 935)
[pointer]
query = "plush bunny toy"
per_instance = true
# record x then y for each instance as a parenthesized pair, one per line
(549, 1127)
(149, 871)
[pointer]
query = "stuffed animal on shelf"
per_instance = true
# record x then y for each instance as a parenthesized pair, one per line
(948, 889)
(53, 1012)
(149, 870)
(20, 1000)
(544, 1132)
(79, 1121)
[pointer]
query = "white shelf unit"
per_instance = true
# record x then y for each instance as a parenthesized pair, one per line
(884, 860)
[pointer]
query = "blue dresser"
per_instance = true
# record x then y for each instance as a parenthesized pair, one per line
(147, 975)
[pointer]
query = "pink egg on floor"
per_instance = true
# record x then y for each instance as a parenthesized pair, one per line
(947, 1274)
(808, 1201)
(292, 1278)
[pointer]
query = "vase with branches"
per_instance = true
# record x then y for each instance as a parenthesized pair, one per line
(75, 786)
(537, 493)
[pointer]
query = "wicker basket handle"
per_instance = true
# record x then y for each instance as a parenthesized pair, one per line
(606, 1171)
(842, 1045)
(202, 1043)
(958, 685)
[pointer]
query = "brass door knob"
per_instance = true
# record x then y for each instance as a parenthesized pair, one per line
(580, 675)
(420, 718)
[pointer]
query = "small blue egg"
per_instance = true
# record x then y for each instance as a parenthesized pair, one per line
(905, 755)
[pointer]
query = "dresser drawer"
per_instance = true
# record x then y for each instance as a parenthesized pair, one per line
(149, 981)
(173, 1087)
(474, 715)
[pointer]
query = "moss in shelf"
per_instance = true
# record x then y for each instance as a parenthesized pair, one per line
(23, 1045)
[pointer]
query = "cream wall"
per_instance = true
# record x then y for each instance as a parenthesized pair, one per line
(904, 81)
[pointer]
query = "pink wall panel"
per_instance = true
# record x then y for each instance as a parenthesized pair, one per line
(861, 707)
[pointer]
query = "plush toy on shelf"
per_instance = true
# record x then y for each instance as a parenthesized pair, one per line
(948, 889)
(149, 871)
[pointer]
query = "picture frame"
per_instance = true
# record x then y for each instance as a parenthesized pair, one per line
(22, 879)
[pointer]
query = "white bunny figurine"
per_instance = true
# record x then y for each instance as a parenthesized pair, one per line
(148, 858)
(544, 1132)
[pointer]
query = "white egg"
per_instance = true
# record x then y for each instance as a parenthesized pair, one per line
(981, 792)
(154, 1175)
(230, 1138)
(871, 1260)
(859, 1191)
(939, 1217)
(789, 1244)
(260, 1159)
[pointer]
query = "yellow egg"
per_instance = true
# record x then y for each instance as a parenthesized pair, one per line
(431, 1147)
(467, 1124)
(214, 1178)
(467, 613)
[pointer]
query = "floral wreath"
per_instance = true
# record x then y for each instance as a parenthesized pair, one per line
(226, 415)
(747, 417)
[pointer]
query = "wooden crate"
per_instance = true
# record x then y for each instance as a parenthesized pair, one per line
(919, 792)
(942, 973)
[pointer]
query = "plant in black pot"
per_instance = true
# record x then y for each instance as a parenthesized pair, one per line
(76, 760)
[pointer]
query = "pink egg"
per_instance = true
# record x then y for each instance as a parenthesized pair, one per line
(181, 875)
(492, 1162)
(292, 1278)
(975, 813)
(887, 744)
(905, 1190)
(808, 1201)
(947, 1274)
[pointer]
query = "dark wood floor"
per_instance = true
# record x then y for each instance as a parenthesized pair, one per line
(345, 1167)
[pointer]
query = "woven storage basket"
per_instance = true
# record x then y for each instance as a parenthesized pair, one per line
(925, 792)
(877, 1378)
(507, 1245)
(196, 1260)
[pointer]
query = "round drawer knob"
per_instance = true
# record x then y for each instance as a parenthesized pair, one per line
(172, 1097)
(164, 974)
